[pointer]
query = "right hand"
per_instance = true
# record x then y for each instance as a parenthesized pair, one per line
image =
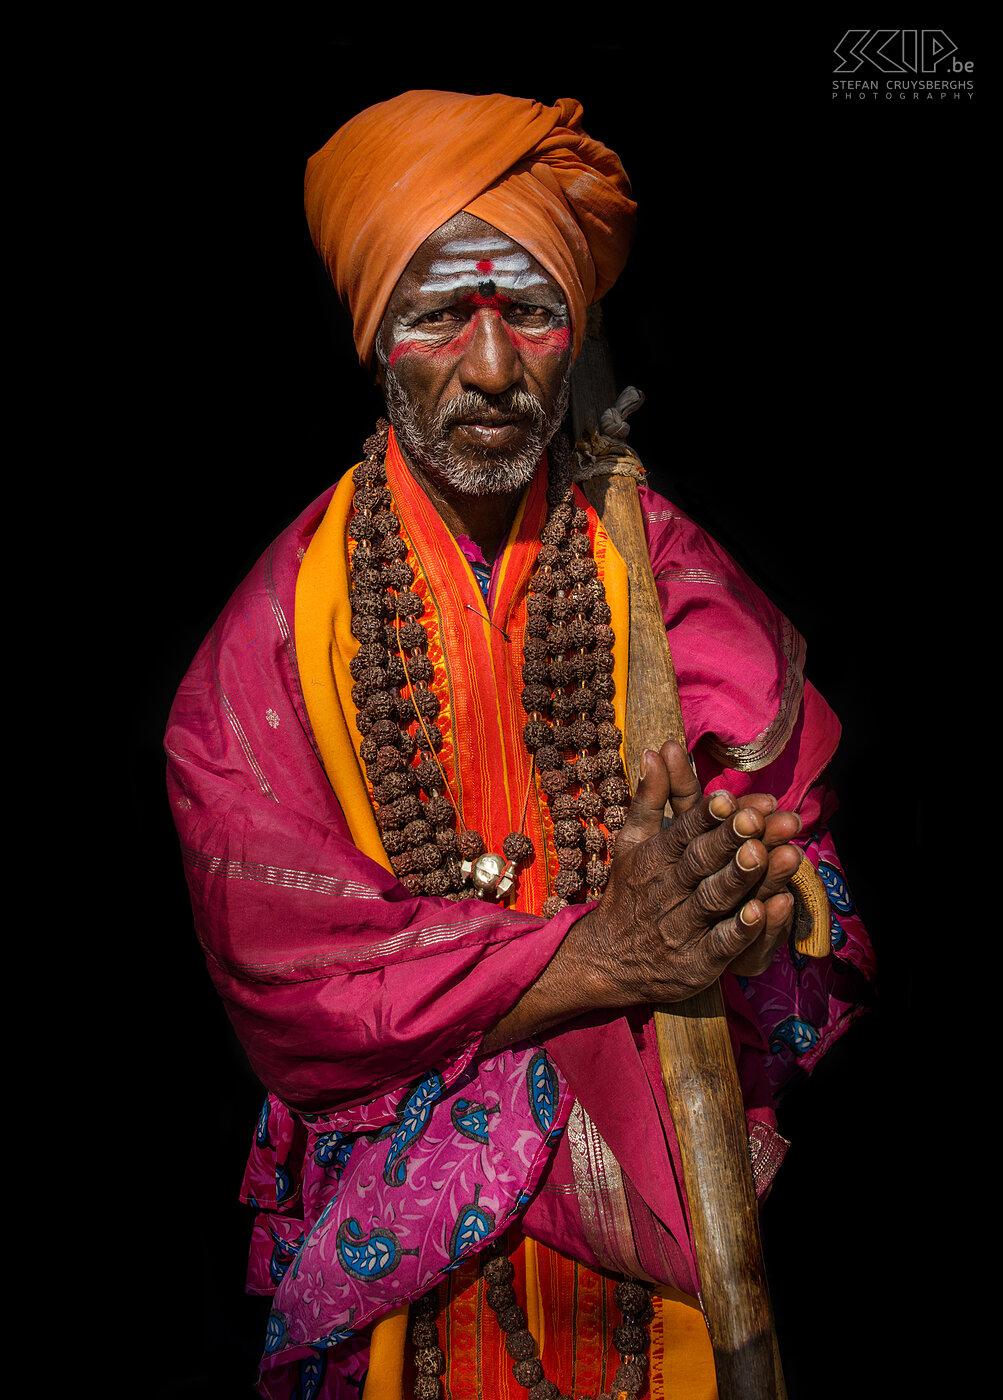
(687, 902)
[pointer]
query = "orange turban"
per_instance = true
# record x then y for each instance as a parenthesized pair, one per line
(400, 170)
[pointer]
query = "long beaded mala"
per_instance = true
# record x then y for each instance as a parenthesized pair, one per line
(630, 1338)
(567, 694)
(570, 732)
(575, 744)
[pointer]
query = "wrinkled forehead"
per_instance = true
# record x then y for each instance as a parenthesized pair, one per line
(464, 255)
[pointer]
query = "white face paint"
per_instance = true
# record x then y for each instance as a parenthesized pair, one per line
(510, 272)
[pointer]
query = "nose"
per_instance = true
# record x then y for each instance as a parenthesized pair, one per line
(490, 361)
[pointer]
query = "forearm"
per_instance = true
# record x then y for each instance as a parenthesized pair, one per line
(569, 986)
(675, 914)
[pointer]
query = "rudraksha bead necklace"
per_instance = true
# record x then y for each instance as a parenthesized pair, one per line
(630, 1339)
(568, 688)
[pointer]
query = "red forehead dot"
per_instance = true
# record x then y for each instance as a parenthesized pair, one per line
(485, 265)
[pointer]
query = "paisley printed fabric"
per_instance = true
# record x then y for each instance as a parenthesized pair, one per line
(379, 1216)
(353, 998)
(805, 1004)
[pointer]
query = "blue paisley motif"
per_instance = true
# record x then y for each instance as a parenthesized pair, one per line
(283, 1254)
(471, 1119)
(835, 887)
(837, 933)
(413, 1117)
(541, 1084)
(368, 1256)
(335, 1339)
(310, 1377)
(793, 1034)
(522, 1201)
(275, 1332)
(340, 1334)
(332, 1151)
(473, 1224)
(321, 1220)
(283, 1185)
(261, 1131)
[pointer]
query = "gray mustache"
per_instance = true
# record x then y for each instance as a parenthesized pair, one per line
(516, 403)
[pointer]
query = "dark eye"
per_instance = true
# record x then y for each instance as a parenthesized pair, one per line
(523, 311)
(444, 316)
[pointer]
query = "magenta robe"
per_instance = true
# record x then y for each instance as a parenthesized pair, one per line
(389, 1146)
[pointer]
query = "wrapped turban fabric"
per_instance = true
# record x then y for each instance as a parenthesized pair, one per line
(400, 170)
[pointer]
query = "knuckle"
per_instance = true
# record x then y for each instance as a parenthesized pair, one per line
(707, 898)
(702, 858)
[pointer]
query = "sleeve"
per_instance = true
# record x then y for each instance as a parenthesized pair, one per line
(340, 985)
(755, 724)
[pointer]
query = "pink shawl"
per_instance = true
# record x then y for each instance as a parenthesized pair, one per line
(388, 1145)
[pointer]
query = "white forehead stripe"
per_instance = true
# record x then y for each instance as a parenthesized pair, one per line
(512, 272)
(509, 283)
(475, 245)
(443, 267)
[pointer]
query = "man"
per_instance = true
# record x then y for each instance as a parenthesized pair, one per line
(435, 914)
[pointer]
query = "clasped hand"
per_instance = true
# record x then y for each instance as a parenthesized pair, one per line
(689, 901)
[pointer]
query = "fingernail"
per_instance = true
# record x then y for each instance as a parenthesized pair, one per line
(746, 822)
(646, 758)
(749, 914)
(721, 805)
(750, 855)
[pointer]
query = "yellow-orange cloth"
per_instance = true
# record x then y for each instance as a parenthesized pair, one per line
(401, 169)
(385, 1377)
(478, 666)
(570, 1314)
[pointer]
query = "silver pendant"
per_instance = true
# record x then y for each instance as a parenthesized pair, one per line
(491, 875)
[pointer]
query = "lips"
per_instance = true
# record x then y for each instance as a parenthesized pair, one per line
(491, 432)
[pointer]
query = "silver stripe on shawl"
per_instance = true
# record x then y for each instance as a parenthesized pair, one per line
(312, 882)
(769, 744)
(602, 1200)
(705, 576)
(309, 880)
(238, 730)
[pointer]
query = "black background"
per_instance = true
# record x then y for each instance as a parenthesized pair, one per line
(803, 310)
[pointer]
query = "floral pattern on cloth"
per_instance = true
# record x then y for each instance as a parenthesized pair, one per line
(294, 917)
(805, 1004)
(352, 1223)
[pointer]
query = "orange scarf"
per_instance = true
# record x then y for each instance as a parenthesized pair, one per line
(478, 666)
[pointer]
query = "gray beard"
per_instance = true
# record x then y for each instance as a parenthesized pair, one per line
(425, 441)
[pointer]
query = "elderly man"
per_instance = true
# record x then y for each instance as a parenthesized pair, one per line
(434, 913)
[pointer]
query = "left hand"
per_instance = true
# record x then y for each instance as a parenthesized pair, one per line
(771, 900)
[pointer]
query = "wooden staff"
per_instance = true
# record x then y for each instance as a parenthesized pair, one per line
(698, 1068)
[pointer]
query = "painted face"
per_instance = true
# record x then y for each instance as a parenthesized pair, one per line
(475, 348)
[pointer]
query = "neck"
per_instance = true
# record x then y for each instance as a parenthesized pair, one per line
(485, 519)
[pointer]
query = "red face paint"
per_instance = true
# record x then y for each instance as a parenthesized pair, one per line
(542, 342)
(494, 302)
(553, 342)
